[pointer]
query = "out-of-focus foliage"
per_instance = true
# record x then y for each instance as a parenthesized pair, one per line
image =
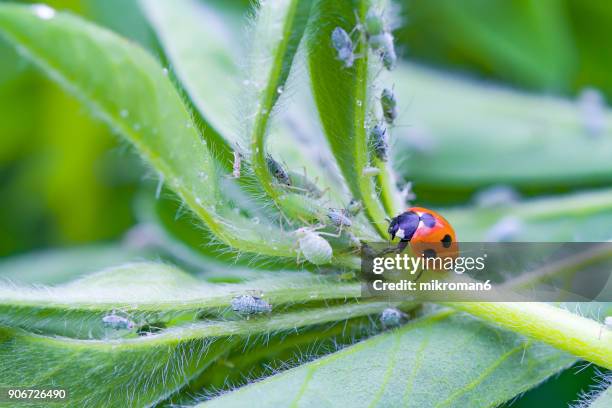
(549, 45)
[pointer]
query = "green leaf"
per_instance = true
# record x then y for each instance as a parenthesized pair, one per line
(464, 136)
(197, 327)
(55, 266)
(343, 100)
(445, 359)
(143, 106)
(190, 242)
(208, 72)
(151, 293)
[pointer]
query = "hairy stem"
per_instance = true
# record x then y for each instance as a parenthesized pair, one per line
(560, 328)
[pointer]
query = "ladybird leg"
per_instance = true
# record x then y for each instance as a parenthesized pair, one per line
(419, 275)
(402, 245)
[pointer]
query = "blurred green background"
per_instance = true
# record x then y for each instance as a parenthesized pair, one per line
(65, 179)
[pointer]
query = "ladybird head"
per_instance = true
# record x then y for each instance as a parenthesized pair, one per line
(404, 225)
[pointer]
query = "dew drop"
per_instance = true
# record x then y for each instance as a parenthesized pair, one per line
(165, 71)
(137, 126)
(255, 220)
(279, 90)
(43, 11)
(359, 103)
(124, 113)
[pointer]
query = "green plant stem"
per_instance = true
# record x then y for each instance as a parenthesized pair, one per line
(372, 205)
(388, 192)
(562, 329)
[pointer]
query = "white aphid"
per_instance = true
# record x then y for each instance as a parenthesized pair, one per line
(392, 317)
(315, 248)
(505, 229)
(496, 196)
(117, 322)
(250, 305)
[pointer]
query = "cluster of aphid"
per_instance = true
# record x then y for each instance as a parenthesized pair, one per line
(314, 247)
(377, 35)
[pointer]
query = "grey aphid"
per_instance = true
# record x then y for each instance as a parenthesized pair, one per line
(250, 305)
(391, 317)
(388, 105)
(378, 140)
(387, 52)
(278, 171)
(354, 207)
(117, 322)
(343, 45)
(237, 164)
(339, 218)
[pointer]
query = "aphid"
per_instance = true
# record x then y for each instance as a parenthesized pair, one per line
(378, 140)
(315, 248)
(236, 165)
(117, 322)
(505, 229)
(496, 196)
(388, 105)
(354, 207)
(392, 317)
(379, 37)
(354, 241)
(422, 227)
(250, 305)
(339, 218)
(278, 171)
(343, 45)
(387, 52)
(370, 171)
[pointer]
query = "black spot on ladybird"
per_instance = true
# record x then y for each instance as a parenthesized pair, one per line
(429, 253)
(446, 241)
(429, 220)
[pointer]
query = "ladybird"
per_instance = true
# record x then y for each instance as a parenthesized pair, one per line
(429, 234)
